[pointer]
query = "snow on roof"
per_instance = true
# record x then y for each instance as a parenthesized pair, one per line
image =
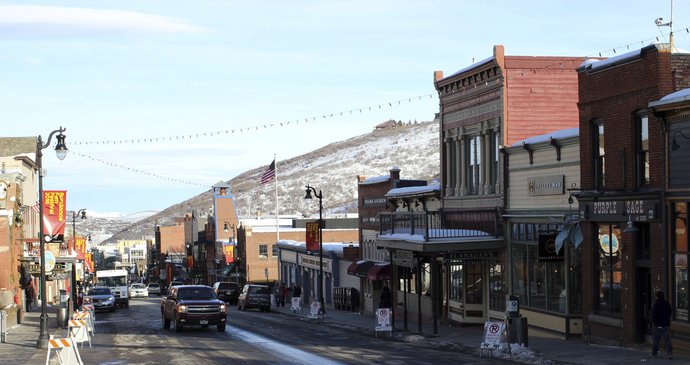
(375, 180)
(327, 246)
(474, 65)
(598, 64)
(415, 190)
(563, 133)
(676, 97)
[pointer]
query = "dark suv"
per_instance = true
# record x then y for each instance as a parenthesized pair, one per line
(226, 291)
(255, 296)
(195, 305)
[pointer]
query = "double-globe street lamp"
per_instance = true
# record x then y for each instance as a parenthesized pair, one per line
(319, 195)
(81, 213)
(61, 152)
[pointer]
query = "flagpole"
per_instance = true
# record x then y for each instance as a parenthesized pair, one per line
(276, 191)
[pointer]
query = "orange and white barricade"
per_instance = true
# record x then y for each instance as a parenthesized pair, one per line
(66, 351)
(78, 330)
(87, 315)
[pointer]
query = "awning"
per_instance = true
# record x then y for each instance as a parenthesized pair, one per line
(380, 271)
(227, 270)
(360, 268)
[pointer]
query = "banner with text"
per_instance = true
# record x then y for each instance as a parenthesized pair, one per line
(312, 236)
(54, 213)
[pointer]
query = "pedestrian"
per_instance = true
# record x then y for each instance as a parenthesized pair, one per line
(661, 316)
(385, 300)
(284, 292)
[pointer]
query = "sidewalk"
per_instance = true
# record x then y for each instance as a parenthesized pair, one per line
(21, 339)
(543, 348)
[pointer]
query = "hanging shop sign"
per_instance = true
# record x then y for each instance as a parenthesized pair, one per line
(637, 210)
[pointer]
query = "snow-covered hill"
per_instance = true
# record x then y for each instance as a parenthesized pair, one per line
(414, 148)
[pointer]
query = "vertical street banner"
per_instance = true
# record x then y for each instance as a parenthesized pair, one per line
(88, 261)
(80, 247)
(54, 213)
(312, 236)
(229, 254)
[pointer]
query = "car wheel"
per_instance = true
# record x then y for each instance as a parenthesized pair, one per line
(221, 327)
(166, 323)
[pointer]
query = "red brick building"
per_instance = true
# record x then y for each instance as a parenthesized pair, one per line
(625, 254)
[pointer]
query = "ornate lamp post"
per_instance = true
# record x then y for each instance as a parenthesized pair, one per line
(319, 195)
(61, 152)
(81, 213)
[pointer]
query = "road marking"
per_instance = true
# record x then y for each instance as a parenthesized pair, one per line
(296, 356)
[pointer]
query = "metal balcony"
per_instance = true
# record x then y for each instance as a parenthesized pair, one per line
(426, 226)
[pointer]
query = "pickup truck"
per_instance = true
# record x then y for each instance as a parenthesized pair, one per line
(193, 305)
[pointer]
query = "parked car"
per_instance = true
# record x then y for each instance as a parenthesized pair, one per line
(255, 296)
(138, 290)
(227, 291)
(193, 305)
(154, 288)
(101, 298)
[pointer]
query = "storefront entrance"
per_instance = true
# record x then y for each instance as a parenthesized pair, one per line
(644, 309)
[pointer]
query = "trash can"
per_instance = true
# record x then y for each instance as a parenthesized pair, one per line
(62, 315)
(3, 325)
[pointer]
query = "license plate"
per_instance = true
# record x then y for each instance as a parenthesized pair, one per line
(203, 321)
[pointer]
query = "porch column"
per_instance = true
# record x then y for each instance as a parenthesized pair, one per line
(458, 166)
(448, 155)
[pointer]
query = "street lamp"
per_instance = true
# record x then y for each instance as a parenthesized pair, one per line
(319, 195)
(81, 213)
(61, 152)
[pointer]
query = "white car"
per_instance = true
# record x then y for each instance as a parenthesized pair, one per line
(138, 290)
(154, 288)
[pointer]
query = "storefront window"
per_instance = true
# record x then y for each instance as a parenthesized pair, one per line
(497, 288)
(574, 275)
(456, 282)
(609, 243)
(474, 283)
(556, 294)
(680, 244)
(537, 280)
(519, 274)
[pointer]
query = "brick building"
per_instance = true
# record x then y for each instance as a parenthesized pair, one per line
(625, 255)
(493, 103)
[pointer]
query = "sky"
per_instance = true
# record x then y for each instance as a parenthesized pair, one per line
(162, 99)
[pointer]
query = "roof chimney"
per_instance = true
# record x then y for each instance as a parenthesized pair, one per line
(395, 173)
(361, 178)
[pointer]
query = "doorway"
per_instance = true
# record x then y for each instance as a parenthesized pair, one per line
(644, 307)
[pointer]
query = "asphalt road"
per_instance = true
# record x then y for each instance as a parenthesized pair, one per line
(136, 336)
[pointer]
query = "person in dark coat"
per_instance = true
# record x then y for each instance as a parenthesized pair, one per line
(385, 301)
(661, 316)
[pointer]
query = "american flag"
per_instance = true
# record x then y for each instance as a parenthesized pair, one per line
(36, 207)
(270, 173)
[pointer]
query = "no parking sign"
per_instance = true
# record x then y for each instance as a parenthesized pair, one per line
(383, 319)
(493, 331)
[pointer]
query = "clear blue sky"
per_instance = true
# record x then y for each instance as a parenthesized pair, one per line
(147, 70)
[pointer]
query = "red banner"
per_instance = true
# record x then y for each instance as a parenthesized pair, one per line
(54, 213)
(229, 254)
(312, 236)
(80, 247)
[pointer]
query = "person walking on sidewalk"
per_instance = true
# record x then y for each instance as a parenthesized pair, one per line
(661, 316)
(385, 301)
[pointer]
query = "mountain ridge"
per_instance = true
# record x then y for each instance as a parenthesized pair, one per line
(333, 169)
